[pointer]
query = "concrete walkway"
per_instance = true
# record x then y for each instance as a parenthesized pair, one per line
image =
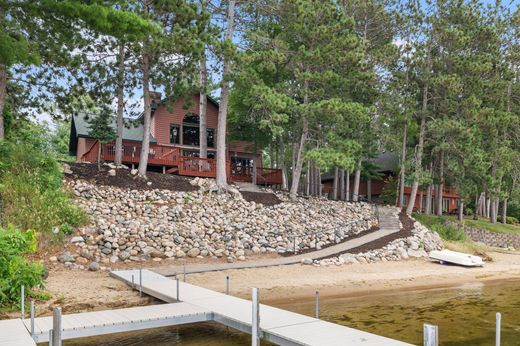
(388, 223)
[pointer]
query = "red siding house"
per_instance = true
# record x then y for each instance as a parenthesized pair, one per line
(174, 144)
(388, 164)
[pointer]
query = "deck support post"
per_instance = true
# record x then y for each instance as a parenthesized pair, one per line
(163, 169)
(255, 325)
(32, 318)
(431, 335)
(140, 282)
(497, 335)
(317, 304)
(56, 327)
(227, 285)
(22, 302)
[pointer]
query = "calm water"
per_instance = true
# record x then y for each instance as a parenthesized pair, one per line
(465, 316)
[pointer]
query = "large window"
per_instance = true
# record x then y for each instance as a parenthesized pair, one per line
(190, 129)
(175, 134)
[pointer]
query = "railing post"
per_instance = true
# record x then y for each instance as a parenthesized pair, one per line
(317, 304)
(22, 302)
(32, 318)
(140, 282)
(497, 335)
(56, 327)
(431, 335)
(255, 325)
(178, 293)
(227, 284)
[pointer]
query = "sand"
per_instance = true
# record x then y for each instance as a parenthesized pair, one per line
(78, 291)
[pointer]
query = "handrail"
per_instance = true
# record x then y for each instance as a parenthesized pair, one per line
(89, 150)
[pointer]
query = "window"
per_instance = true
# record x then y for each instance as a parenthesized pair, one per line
(211, 137)
(190, 129)
(194, 153)
(445, 204)
(175, 135)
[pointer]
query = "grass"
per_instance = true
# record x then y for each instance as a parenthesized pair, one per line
(431, 220)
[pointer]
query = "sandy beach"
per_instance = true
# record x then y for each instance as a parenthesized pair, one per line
(86, 291)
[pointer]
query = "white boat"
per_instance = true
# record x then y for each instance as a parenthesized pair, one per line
(463, 259)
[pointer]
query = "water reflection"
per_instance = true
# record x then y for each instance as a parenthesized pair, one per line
(465, 316)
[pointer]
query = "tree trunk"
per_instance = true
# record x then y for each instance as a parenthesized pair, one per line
(369, 190)
(347, 186)
(420, 146)
(3, 96)
(145, 147)
(203, 103)
(504, 211)
(221, 180)
(403, 161)
(308, 180)
(335, 184)
(99, 156)
(428, 207)
(342, 184)
(488, 208)
(357, 178)
(478, 200)
(299, 156)
(441, 185)
(461, 210)
(318, 182)
(283, 167)
(421, 201)
(120, 105)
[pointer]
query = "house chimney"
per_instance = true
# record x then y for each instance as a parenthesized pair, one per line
(155, 97)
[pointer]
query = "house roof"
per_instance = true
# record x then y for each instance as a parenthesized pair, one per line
(387, 161)
(132, 131)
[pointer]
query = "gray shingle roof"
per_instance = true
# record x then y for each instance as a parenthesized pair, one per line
(132, 131)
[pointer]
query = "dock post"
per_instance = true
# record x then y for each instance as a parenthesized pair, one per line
(50, 337)
(22, 302)
(431, 335)
(227, 285)
(497, 336)
(133, 284)
(56, 327)
(317, 304)
(140, 282)
(32, 318)
(177, 289)
(184, 268)
(255, 325)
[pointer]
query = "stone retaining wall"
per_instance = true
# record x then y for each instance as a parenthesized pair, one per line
(504, 240)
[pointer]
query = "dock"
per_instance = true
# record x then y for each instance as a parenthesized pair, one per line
(186, 303)
(278, 326)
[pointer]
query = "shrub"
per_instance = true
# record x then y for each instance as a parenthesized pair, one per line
(31, 196)
(448, 233)
(512, 220)
(15, 270)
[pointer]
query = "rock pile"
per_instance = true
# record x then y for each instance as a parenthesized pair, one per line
(136, 225)
(419, 244)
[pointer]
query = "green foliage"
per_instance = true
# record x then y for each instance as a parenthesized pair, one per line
(15, 270)
(512, 220)
(449, 233)
(101, 126)
(389, 192)
(31, 194)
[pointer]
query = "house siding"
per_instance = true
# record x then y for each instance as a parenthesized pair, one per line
(174, 114)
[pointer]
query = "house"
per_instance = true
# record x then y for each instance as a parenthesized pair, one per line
(174, 144)
(388, 170)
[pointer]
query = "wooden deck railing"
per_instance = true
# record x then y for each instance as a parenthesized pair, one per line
(189, 166)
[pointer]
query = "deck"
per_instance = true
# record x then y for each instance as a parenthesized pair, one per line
(276, 325)
(171, 159)
(14, 333)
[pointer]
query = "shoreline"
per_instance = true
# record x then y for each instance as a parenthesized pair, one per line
(282, 285)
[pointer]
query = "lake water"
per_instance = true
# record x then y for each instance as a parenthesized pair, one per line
(465, 316)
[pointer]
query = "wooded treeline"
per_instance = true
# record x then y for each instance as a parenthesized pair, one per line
(322, 86)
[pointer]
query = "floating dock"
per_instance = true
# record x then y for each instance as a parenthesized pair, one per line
(188, 303)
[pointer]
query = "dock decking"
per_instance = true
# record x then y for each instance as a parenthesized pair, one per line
(276, 325)
(14, 333)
